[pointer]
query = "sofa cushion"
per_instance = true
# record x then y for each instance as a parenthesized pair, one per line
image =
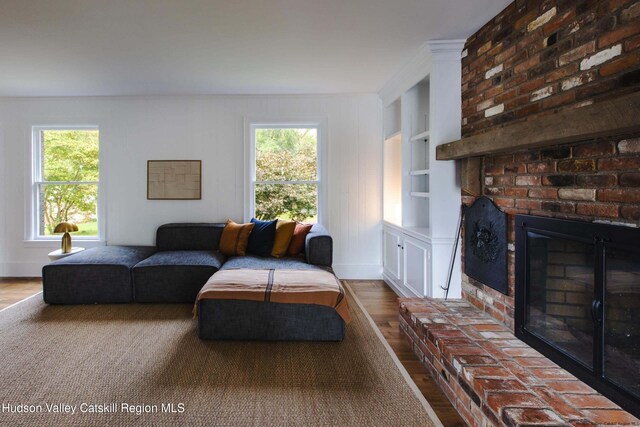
(189, 236)
(183, 258)
(174, 276)
(262, 237)
(234, 238)
(296, 245)
(284, 233)
(97, 275)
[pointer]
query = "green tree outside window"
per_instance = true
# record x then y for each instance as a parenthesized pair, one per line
(69, 157)
(286, 174)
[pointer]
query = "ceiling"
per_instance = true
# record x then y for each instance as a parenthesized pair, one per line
(165, 47)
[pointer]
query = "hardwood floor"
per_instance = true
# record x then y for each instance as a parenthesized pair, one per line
(13, 290)
(380, 302)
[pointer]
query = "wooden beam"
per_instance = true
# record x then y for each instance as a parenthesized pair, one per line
(603, 119)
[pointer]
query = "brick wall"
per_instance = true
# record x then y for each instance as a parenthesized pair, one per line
(539, 56)
(535, 58)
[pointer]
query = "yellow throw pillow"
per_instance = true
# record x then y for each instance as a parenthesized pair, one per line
(284, 232)
(234, 238)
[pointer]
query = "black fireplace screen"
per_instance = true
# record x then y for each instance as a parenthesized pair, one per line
(485, 244)
(578, 300)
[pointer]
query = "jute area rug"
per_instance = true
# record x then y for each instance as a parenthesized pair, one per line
(144, 365)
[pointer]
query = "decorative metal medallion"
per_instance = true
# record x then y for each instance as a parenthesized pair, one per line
(485, 244)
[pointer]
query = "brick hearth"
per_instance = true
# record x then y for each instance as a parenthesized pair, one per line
(491, 377)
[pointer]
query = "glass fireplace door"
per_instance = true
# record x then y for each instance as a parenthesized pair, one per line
(560, 295)
(578, 300)
(621, 359)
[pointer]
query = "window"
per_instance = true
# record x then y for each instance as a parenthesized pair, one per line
(65, 180)
(285, 172)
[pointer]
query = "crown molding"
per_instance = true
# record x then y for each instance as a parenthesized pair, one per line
(419, 67)
(446, 49)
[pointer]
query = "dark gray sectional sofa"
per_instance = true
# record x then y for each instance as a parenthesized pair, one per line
(186, 255)
(99, 275)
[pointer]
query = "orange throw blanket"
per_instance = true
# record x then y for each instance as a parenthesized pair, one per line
(283, 286)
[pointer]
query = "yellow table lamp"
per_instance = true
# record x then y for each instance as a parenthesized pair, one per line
(66, 228)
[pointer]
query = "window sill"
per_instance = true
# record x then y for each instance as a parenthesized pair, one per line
(55, 243)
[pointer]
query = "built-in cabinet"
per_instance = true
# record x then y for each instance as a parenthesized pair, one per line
(392, 253)
(421, 200)
(417, 265)
(407, 263)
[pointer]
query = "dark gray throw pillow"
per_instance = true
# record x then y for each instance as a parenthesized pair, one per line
(262, 237)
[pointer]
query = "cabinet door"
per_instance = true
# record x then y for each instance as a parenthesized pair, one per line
(392, 254)
(417, 266)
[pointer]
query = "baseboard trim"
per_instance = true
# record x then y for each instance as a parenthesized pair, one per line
(22, 269)
(358, 271)
(400, 291)
(343, 271)
(395, 288)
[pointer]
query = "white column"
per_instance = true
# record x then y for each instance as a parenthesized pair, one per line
(445, 110)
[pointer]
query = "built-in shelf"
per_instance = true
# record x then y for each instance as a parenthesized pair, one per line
(392, 182)
(419, 194)
(418, 232)
(421, 136)
(393, 224)
(423, 233)
(393, 135)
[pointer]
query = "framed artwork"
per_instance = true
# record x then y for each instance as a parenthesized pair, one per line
(174, 179)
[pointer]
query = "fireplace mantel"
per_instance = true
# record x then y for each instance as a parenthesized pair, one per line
(609, 118)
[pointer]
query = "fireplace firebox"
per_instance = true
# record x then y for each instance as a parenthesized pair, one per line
(578, 301)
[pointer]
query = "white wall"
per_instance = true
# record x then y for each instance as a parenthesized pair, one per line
(3, 200)
(211, 128)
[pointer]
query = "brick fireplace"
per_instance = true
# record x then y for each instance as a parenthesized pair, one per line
(534, 59)
(593, 181)
(531, 70)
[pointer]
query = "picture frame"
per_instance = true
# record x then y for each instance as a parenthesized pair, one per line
(174, 179)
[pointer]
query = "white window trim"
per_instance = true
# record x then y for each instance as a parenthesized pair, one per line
(251, 124)
(32, 236)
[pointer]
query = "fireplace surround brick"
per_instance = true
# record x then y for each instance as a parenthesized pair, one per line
(494, 379)
(589, 181)
(538, 57)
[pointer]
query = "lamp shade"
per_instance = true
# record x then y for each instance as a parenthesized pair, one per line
(65, 227)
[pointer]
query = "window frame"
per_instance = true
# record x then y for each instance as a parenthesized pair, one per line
(251, 125)
(37, 180)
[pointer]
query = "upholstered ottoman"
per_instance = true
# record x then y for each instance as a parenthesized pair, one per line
(254, 298)
(267, 321)
(96, 276)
